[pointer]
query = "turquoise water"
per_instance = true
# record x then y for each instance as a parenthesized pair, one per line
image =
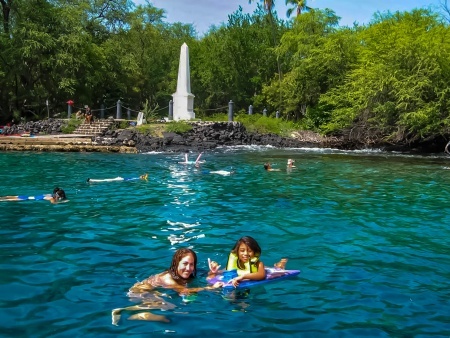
(369, 231)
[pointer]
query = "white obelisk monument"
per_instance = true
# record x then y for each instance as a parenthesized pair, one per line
(183, 99)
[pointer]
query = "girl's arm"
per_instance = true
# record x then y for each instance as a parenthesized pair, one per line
(259, 275)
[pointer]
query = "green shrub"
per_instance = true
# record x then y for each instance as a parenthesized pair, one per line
(152, 129)
(124, 124)
(149, 112)
(145, 129)
(265, 125)
(71, 125)
(178, 127)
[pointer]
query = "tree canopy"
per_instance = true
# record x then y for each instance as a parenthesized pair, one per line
(388, 80)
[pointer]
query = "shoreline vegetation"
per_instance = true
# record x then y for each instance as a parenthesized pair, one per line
(381, 85)
(52, 136)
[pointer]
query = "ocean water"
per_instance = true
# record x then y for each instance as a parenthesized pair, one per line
(369, 231)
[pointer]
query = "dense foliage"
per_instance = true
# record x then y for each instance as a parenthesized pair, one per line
(389, 80)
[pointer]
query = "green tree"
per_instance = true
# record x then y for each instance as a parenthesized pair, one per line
(398, 89)
(139, 56)
(268, 7)
(317, 56)
(298, 7)
(234, 61)
(50, 53)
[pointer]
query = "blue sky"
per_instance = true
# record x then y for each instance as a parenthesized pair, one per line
(204, 13)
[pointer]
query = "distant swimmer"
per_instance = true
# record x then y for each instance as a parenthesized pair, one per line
(118, 178)
(220, 172)
(57, 196)
(290, 163)
(268, 167)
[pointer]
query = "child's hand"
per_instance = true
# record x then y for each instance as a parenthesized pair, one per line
(213, 266)
(235, 281)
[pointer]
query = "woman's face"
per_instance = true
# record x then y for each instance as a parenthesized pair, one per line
(245, 253)
(186, 266)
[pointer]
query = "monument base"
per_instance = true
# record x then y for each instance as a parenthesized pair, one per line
(183, 107)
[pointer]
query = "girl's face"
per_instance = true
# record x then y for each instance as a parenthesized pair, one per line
(245, 253)
(186, 266)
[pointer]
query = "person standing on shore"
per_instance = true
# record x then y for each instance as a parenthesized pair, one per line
(88, 115)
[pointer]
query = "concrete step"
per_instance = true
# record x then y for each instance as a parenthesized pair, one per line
(95, 128)
(91, 128)
(45, 140)
(106, 124)
(89, 133)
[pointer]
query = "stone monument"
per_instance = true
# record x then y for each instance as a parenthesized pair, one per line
(183, 99)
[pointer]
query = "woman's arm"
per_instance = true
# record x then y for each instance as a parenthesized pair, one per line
(186, 291)
(141, 287)
(165, 280)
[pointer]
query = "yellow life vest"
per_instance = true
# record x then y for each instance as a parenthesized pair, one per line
(249, 267)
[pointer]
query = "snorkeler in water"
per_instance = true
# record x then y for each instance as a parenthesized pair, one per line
(58, 195)
(220, 172)
(117, 179)
(268, 167)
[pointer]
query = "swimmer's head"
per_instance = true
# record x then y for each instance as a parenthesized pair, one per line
(267, 166)
(179, 273)
(59, 194)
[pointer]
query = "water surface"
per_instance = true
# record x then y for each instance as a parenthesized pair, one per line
(369, 231)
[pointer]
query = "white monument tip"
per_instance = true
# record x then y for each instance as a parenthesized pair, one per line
(183, 99)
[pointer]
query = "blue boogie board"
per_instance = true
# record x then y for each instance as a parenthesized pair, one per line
(272, 274)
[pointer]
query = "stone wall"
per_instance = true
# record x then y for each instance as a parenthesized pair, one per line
(209, 135)
(203, 136)
(48, 127)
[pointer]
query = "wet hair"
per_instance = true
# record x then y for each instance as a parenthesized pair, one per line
(58, 193)
(266, 166)
(176, 259)
(252, 244)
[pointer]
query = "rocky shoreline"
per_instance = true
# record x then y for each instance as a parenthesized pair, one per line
(203, 136)
(207, 136)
